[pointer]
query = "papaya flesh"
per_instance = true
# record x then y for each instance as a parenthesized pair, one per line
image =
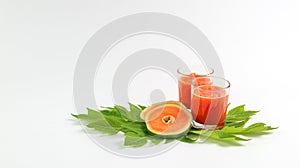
(146, 110)
(168, 119)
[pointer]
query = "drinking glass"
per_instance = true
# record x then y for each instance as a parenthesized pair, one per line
(209, 101)
(186, 75)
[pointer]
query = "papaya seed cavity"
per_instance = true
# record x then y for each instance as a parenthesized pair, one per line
(168, 119)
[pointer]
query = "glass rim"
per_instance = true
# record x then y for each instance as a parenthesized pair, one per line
(210, 91)
(216, 77)
(211, 71)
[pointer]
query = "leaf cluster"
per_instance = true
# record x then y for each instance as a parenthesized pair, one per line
(118, 119)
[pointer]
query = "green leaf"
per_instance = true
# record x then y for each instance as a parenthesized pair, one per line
(108, 108)
(233, 130)
(196, 131)
(103, 128)
(134, 141)
(237, 123)
(190, 137)
(252, 129)
(96, 120)
(111, 112)
(218, 135)
(123, 111)
(115, 122)
(169, 141)
(187, 140)
(155, 140)
(74, 115)
(258, 127)
(92, 116)
(142, 107)
(134, 113)
(237, 109)
(240, 115)
(138, 128)
(221, 135)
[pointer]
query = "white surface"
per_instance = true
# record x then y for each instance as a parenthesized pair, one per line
(145, 81)
(257, 41)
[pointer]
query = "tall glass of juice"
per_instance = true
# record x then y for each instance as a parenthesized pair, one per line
(186, 75)
(209, 101)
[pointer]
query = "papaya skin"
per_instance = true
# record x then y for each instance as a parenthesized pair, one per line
(168, 119)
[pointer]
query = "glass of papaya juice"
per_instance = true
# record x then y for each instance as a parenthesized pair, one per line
(186, 75)
(209, 102)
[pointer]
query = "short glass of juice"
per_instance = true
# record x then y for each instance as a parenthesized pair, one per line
(186, 75)
(209, 102)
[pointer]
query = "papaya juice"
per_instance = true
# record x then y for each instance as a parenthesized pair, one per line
(184, 87)
(209, 105)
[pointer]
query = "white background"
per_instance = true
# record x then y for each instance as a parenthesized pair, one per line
(40, 41)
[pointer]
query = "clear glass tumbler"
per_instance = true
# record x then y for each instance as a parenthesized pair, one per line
(186, 75)
(209, 101)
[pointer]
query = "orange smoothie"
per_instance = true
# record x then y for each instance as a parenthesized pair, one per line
(209, 105)
(184, 87)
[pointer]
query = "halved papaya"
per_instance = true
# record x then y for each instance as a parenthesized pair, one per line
(146, 110)
(170, 120)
